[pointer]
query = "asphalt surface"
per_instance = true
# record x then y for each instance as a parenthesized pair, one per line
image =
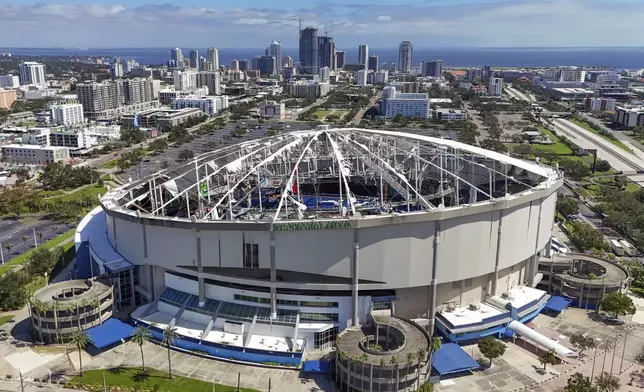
(12, 230)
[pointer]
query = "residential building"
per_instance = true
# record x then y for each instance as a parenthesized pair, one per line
(475, 74)
(234, 65)
(372, 64)
(287, 61)
(363, 54)
(305, 88)
(479, 90)
(340, 59)
(9, 81)
(600, 103)
(361, 78)
(275, 50)
(289, 72)
(210, 79)
(415, 105)
(405, 57)
(212, 56)
(389, 66)
(116, 70)
(611, 85)
(433, 68)
(166, 96)
(129, 65)
(450, 114)
(184, 80)
(629, 117)
(208, 105)
(7, 98)
(176, 57)
(267, 65)
(67, 114)
(114, 97)
(495, 87)
(243, 65)
(382, 77)
(34, 155)
(272, 109)
(325, 74)
(326, 52)
(309, 51)
(138, 90)
(194, 59)
(32, 73)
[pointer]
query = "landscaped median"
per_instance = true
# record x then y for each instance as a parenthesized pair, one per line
(135, 379)
(585, 125)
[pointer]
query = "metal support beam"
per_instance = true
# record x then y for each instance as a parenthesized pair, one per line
(431, 302)
(355, 276)
(498, 253)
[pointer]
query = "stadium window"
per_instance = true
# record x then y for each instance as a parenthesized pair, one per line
(251, 256)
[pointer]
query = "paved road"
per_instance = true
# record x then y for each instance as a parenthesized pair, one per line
(358, 116)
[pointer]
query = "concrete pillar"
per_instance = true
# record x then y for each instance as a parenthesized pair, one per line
(371, 379)
(200, 278)
(535, 256)
(355, 275)
(498, 253)
(431, 302)
(273, 276)
(149, 284)
(132, 301)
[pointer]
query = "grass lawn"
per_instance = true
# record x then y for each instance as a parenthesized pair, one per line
(558, 148)
(321, 113)
(151, 380)
(91, 190)
(49, 244)
(5, 319)
(587, 127)
(632, 187)
(111, 164)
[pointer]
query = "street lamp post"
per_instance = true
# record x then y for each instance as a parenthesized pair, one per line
(1, 253)
(33, 230)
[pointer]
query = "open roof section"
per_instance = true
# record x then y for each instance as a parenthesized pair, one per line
(331, 174)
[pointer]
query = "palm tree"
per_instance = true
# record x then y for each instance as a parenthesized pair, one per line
(40, 235)
(140, 336)
(80, 340)
(54, 228)
(421, 357)
(382, 372)
(25, 239)
(363, 358)
(169, 334)
(434, 346)
(607, 382)
(410, 358)
(8, 247)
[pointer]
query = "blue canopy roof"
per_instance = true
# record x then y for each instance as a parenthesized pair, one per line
(451, 358)
(557, 304)
(317, 367)
(111, 331)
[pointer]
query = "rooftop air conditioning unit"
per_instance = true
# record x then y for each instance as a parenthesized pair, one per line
(475, 307)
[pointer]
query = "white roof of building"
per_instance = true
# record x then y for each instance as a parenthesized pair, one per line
(34, 147)
(466, 316)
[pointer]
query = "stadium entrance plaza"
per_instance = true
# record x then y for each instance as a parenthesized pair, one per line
(516, 370)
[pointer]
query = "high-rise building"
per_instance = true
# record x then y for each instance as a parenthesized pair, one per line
(309, 51)
(67, 114)
(287, 61)
(363, 54)
(32, 73)
(184, 80)
(194, 59)
(275, 50)
(361, 78)
(495, 87)
(243, 65)
(234, 65)
(326, 52)
(382, 77)
(210, 79)
(414, 105)
(129, 65)
(253, 62)
(373, 63)
(176, 55)
(433, 68)
(340, 59)
(10, 81)
(116, 70)
(405, 57)
(96, 97)
(213, 57)
(138, 90)
(266, 65)
(325, 74)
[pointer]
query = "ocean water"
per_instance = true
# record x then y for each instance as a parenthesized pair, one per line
(621, 58)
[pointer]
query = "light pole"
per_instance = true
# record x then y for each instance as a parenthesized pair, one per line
(33, 230)
(1, 253)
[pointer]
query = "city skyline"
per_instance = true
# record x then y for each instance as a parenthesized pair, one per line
(250, 23)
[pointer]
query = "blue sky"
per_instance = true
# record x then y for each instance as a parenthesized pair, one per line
(379, 23)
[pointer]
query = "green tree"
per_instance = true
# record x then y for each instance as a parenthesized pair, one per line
(491, 348)
(617, 304)
(169, 334)
(132, 136)
(184, 155)
(43, 260)
(24, 239)
(574, 169)
(602, 166)
(79, 340)
(8, 247)
(548, 358)
(579, 383)
(158, 145)
(523, 150)
(40, 234)
(164, 164)
(582, 342)
(567, 206)
(13, 294)
(494, 145)
(607, 382)
(141, 336)
(123, 162)
(22, 173)
(586, 237)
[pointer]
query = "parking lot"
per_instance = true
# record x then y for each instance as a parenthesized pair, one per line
(12, 231)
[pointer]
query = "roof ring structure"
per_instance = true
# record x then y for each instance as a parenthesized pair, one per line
(332, 174)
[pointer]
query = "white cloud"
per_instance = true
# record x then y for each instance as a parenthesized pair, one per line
(384, 18)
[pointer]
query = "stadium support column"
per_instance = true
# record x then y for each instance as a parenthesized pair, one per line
(273, 277)
(200, 279)
(535, 257)
(498, 253)
(431, 309)
(355, 275)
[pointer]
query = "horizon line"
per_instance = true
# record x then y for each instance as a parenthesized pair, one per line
(285, 47)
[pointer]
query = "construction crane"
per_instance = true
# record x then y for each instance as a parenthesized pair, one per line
(299, 24)
(326, 32)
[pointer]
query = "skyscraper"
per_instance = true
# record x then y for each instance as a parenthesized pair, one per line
(243, 65)
(373, 63)
(433, 68)
(234, 65)
(194, 59)
(309, 51)
(363, 54)
(275, 50)
(32, 73)
(213, 57)
(177, 56)
(287, 61)
(340, 59)
(266, 65)
(405, 57)
(326, 52)
(116, 70)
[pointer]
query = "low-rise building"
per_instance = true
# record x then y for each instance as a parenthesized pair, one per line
(414, 105)
(9, 81)
(68, 114)
(629, 117)
(382, 77)
(208, 105)
(7, 98)
(29, 154)
(272, 109)
(160, 119)
(594, 104)
(305, 88)
(450, 114)
(166, 96)
(479, 90)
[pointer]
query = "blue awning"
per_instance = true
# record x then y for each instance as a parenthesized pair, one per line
(451, 358)
(557, 304)
(111, 331)
(317, 367)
